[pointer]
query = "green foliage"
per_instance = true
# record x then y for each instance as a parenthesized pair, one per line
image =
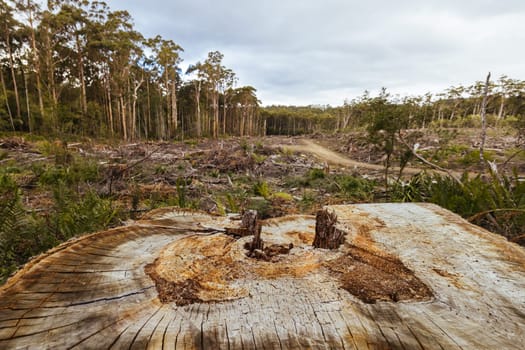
(261, 188)
(232, 203)
(244, 145)
(356, 188)
(180, 198)
(262, 206)
(283, 196)
(160, 169)
(315, 174)
(472, 157)
(73, 214)
(386, 119)
(259, 158)
(74, 211)
(313, 178)
(22, 234)
(73, 174)
(499, 201)
(181, 192)
(307, 201)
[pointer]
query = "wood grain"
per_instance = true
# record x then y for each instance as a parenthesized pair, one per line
(93, 292)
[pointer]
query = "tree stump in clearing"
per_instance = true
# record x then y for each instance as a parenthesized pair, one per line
(409, 276)
(251, 222)
(327, 235)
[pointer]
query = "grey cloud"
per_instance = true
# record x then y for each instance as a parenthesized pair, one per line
(312, 51)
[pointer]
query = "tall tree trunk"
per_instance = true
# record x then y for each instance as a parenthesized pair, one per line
(224, 115)
(501, 107)
(36, 64)
(215, 101)
(198, 128)
(83, 93)
(4, 88)
(123, 117)
(174, 123)
(484, 119)
(134, 105)
(110, 108)
(13, 73)
(28, 105)
(148, 114)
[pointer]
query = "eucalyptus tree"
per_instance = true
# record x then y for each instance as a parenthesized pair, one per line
(227, 83)
(8, 24)
(213, 71)
(31, 11)
(120, 44)
(246, 105)
(198, 71)
(167, 55)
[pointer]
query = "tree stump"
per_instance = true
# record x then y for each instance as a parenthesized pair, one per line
(411, 276)
(327, 235)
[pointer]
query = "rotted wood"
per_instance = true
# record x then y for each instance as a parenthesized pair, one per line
(327, 235)
(407, 276)
(248, 225)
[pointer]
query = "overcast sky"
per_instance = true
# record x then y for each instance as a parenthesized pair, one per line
(322, 51)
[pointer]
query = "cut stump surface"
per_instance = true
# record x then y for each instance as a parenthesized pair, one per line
(407, 276)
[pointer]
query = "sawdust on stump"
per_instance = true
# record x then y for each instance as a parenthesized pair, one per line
(181, 293)
(371, 277)
(211, 268)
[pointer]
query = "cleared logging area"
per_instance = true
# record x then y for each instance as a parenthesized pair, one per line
(406, 276)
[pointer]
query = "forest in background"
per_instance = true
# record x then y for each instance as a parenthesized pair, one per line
(76, 67)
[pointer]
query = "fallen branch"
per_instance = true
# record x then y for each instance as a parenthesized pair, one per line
(486, 212)
(118, 173)
(511, 157)
(427, 162)
(518, 238)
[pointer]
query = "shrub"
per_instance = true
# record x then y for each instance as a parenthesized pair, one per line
(356, 188)
(496, 202)
(472, 157)
(261, 188)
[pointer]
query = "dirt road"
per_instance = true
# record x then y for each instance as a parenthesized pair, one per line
(334, 158)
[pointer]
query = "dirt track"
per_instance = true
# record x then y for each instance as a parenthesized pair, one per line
(334, 158)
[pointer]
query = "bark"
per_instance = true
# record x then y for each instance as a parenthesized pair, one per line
(327, 235)
(36, 64)
(28, 104)
(148, 114)
(198, 128)
(110, 108)
(7, 100)
(501, 107)
(174, 122)
(134, 104)
(13, 73)
(83, 93)
(215, 100)
(123, 117)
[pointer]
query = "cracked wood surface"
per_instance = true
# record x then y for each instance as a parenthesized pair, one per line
(93, 292)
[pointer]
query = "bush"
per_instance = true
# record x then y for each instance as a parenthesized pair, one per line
(472, 157)
(356, 188)
(496, 203)
(261, 188)
(22, 235)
